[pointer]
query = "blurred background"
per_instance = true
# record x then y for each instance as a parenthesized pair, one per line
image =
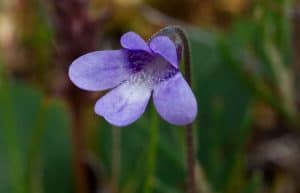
(246, 65)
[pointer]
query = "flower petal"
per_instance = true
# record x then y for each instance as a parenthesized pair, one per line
(99, 70)
(163, 46)
(124, 104)
(133, 41)
(175, 101)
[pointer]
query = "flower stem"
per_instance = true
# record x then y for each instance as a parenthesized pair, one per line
(152, 151)
(190, 159)
(116, 158)
(191, 185)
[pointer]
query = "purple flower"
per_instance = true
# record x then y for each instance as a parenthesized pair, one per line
(134, 72)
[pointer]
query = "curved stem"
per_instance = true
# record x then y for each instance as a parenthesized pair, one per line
(186, 53)
(191, 184)
(179, 37)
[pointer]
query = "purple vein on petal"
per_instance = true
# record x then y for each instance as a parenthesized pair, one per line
(99, 70)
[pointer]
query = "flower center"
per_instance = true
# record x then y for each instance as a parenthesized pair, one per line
(149, 70)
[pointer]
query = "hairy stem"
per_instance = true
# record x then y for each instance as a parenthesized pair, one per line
(190, 159)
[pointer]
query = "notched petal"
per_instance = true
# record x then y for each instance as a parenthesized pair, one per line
(175, 101)
(99, 70)
(133, 41)
(163, 46)
(124, 104)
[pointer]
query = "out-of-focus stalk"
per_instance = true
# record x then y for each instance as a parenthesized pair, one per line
(14, 155)
(296, 46)
(76, 34)
(32, 182)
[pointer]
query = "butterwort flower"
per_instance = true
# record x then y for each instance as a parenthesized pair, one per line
(134, 73)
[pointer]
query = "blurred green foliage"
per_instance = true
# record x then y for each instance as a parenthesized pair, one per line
(35, 142)
(232, 70)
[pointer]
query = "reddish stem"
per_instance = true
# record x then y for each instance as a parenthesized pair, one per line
(190, 144)
(76, 34)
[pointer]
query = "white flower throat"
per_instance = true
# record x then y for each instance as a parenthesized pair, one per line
(149, 70)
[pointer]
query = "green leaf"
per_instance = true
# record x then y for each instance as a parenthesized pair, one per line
(40, 133)
(224, 100)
